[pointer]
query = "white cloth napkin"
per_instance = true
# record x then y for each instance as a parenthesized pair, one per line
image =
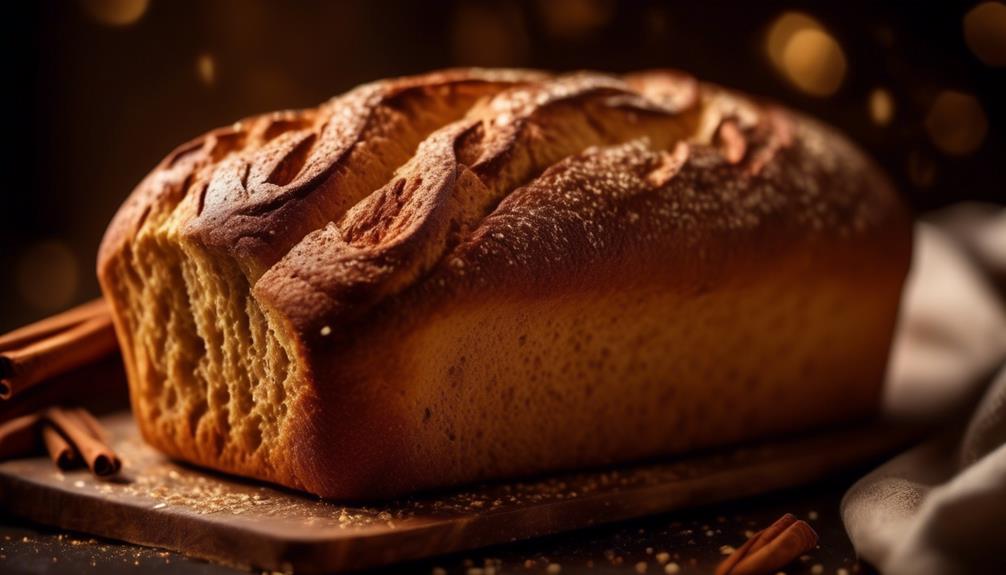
(940, 507)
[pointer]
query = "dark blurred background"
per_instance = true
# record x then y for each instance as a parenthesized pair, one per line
(100, 90)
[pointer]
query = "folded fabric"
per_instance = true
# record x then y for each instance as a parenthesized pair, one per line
(941, 507)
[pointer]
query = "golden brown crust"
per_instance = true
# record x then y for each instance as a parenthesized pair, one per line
(264, 182)
(400, 231)
(549, 272)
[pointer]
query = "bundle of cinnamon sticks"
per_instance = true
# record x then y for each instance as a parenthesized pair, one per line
(37, 365)
(71, 436)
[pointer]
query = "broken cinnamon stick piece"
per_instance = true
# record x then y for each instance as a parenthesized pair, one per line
(87, 342)
(60, 451)
(97, 432)
(31, 333)
(19, 437)
(92, 425)
(771, 548)
(99, 457)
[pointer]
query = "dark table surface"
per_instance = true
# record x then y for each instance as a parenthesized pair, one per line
(694, 540)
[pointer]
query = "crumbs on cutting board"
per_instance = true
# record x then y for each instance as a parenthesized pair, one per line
(170, 487)
(652, 545)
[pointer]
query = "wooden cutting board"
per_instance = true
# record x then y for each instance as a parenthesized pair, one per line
(165, 504)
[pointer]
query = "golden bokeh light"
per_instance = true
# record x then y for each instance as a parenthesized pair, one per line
(881, 105)
(782, 29)
(956, 123)
(206, 69)
(814, 62)
(985, 32)
(116, 12)
(48, 275)
(803, 51)
(575, 18)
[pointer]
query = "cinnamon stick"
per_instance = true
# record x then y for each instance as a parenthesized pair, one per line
(81, 344)
(19, 436)
(98, 456)
(771, 548)
(92, 425)
(100, 386)
(60, 451)
(24, 336)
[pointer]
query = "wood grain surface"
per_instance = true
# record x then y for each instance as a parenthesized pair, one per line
(163, 504)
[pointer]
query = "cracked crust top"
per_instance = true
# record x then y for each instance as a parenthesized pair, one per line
(329, 210)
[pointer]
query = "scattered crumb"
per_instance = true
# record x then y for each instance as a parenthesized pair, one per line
(726, 549)
(553, 568)
(649, 550)
(663, 557)
(439, 571)
(842, 571)
(710, 533)
(641, 567)
(817, 569)
(812, 516)
(672, 568)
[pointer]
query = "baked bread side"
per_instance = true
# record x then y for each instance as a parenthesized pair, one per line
(572, 271)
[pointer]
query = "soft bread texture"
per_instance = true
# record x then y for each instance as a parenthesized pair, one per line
(472, 275)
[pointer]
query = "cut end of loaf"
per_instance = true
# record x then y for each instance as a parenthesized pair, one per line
(212, 375)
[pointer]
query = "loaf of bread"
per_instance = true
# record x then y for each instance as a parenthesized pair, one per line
(472, 275)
